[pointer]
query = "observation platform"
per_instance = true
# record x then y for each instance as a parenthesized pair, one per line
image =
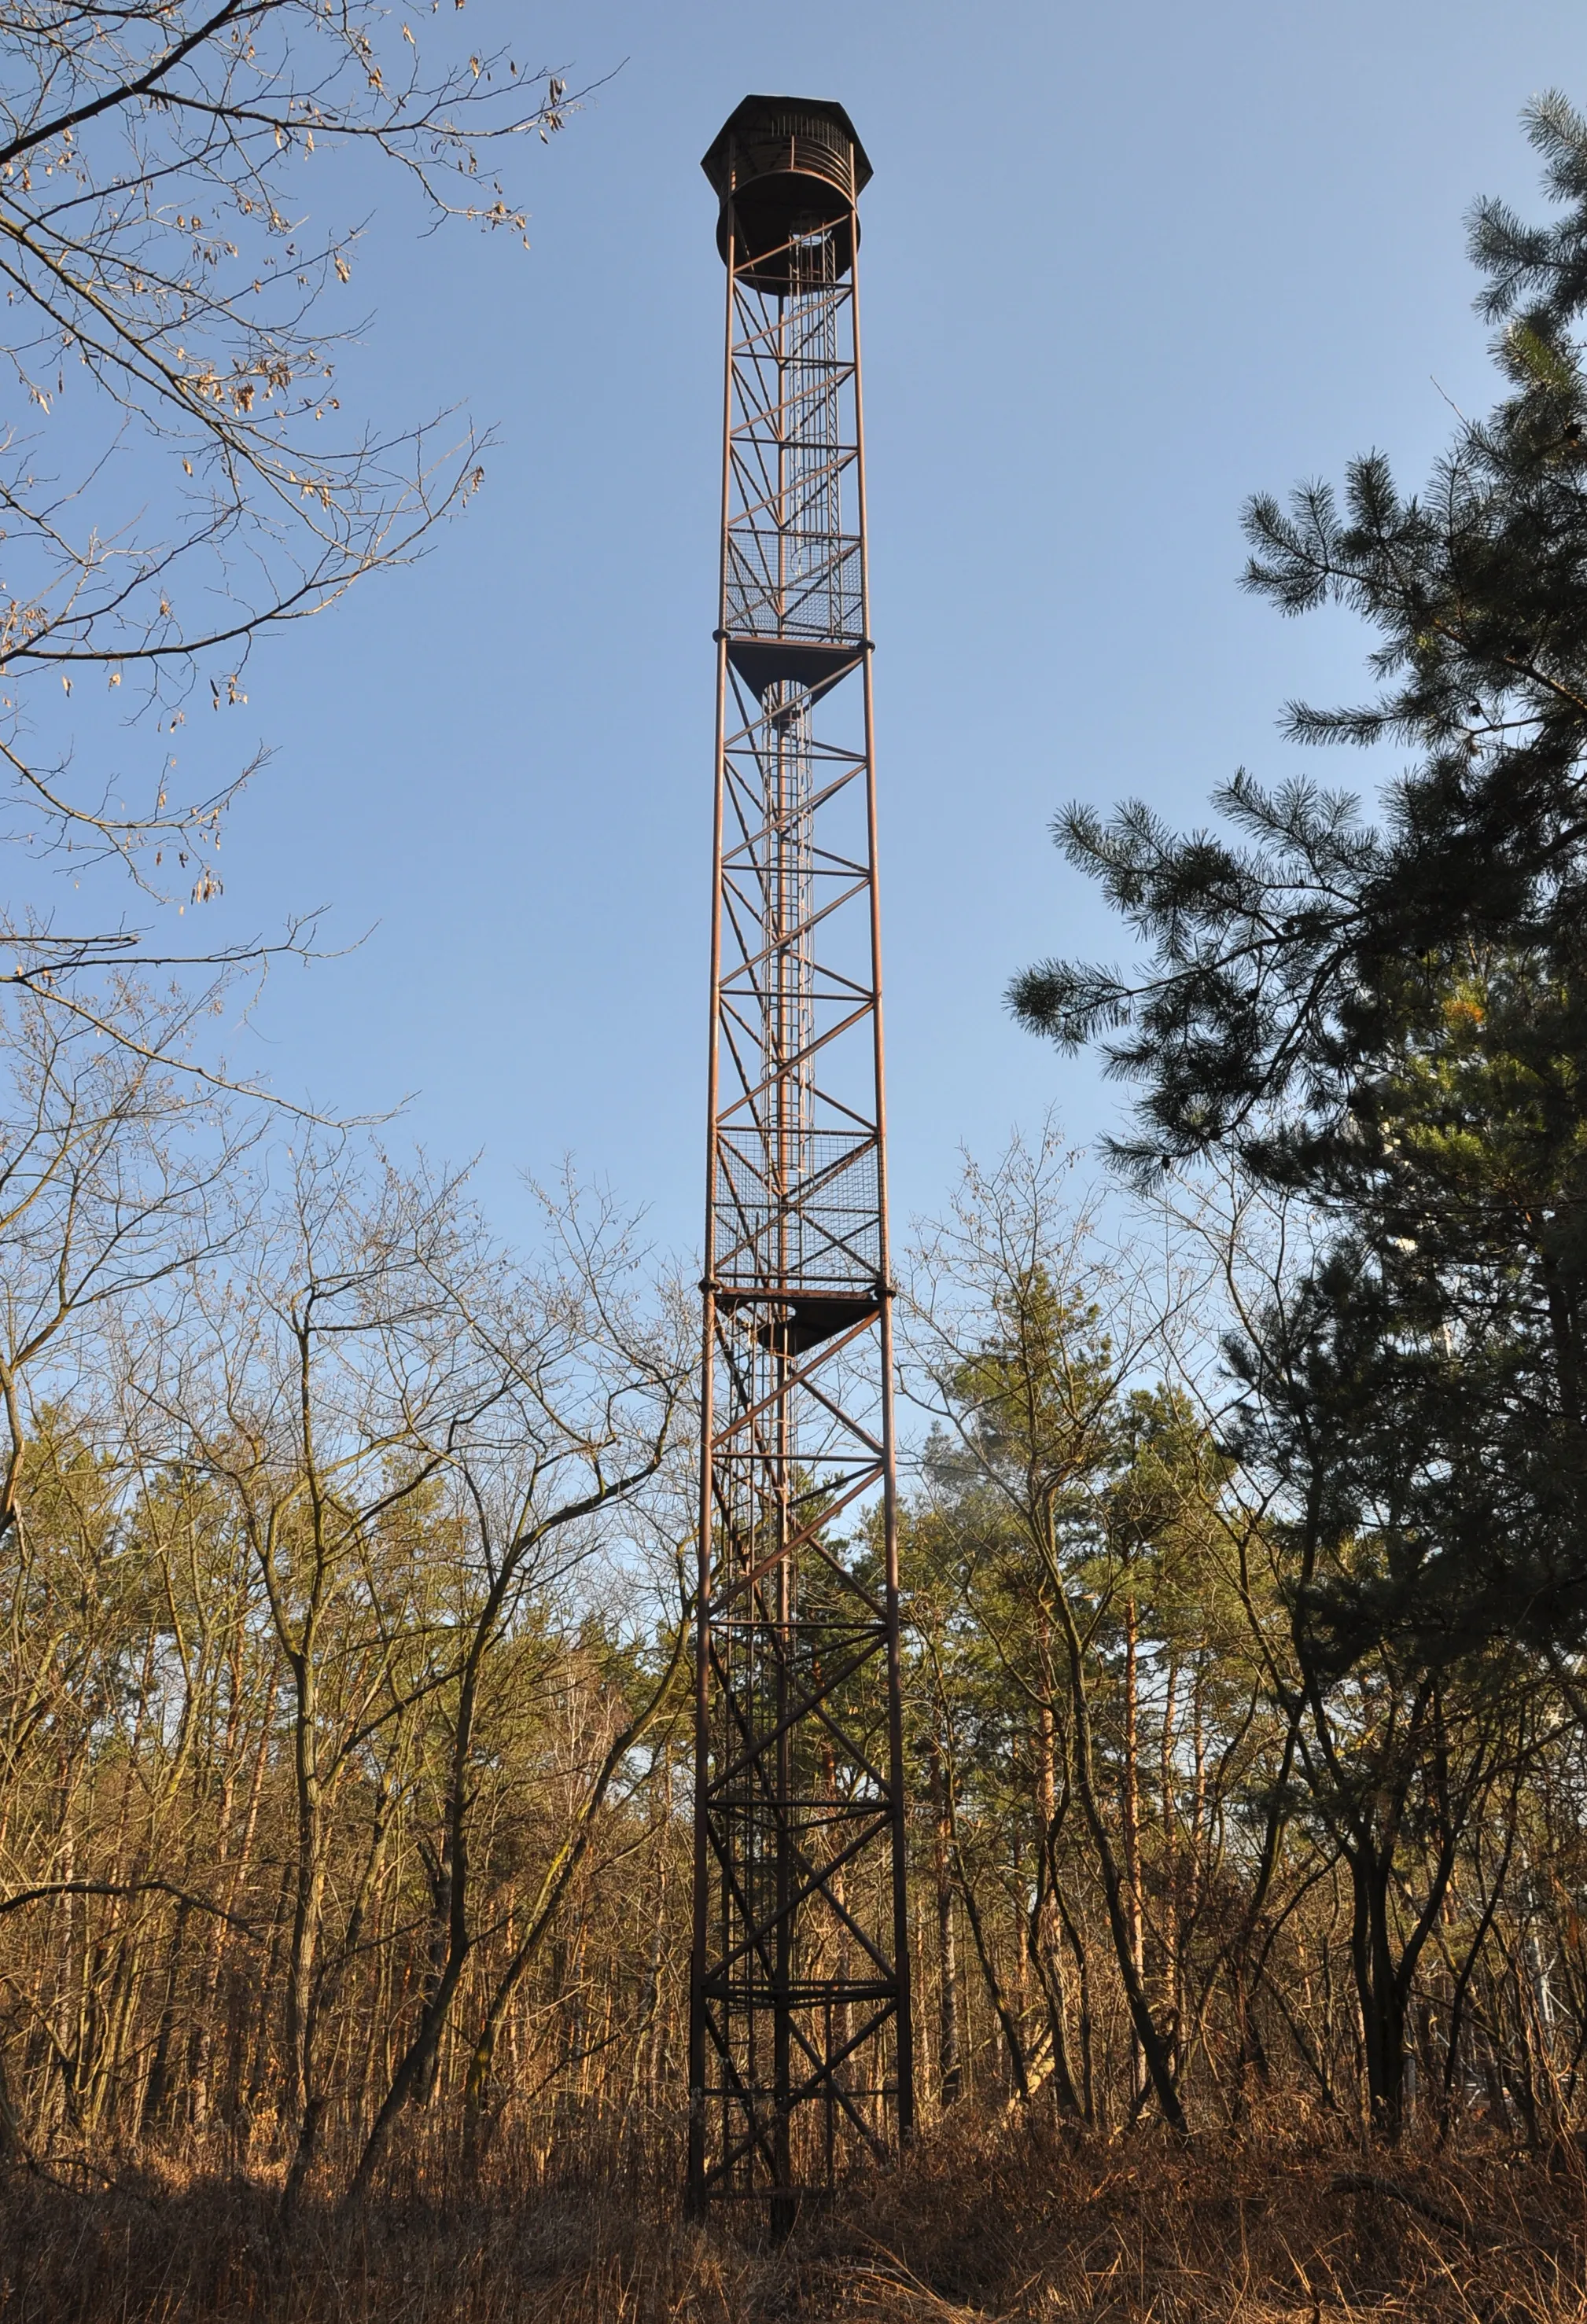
(781, 167)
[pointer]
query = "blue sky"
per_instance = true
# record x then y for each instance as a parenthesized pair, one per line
(1123, 265)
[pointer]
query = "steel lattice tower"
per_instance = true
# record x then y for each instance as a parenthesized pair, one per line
(800, 2054)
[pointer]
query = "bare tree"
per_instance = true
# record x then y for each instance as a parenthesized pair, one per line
(112, 1174)
(320, 1387)
(180, 475)
(586, 1383)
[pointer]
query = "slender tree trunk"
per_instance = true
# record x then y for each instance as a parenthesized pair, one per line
(308, 1892)
(1198, 1793)
(948, 1959)
(1043, 1932)
(1154, 2049)
(1091, 2110)
(1173, 2011)
(237, 1861)
(157, 2089)
(1018, 2063)
(1382, 2015)
(1131, 1832)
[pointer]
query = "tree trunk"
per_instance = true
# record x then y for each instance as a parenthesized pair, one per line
(1378, 1991)
(308, 1891)
(947, 1960)
(1154, 2049)
(1043, 1932)
(1130, 1806)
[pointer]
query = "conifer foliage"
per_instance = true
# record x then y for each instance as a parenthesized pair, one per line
(1386, 1019)
(1287, 961)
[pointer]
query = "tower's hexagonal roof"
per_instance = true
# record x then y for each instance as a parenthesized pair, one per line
(753, 112)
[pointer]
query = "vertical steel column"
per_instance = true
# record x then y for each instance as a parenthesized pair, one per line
(800, 2051)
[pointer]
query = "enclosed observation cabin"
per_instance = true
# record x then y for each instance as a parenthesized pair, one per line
(783, 167)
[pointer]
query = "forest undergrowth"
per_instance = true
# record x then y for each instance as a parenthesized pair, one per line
(1005, 2219)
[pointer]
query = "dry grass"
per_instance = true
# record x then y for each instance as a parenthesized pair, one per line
(1015, 2222)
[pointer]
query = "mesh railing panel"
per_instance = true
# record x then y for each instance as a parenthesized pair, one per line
(821, 1231)
(804, 585)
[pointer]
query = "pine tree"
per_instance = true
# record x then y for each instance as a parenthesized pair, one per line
(1388, 1020)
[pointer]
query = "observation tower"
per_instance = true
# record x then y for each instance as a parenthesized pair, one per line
(800, 2048)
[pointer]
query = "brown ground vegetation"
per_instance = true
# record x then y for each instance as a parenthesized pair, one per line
(1012, 2219)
